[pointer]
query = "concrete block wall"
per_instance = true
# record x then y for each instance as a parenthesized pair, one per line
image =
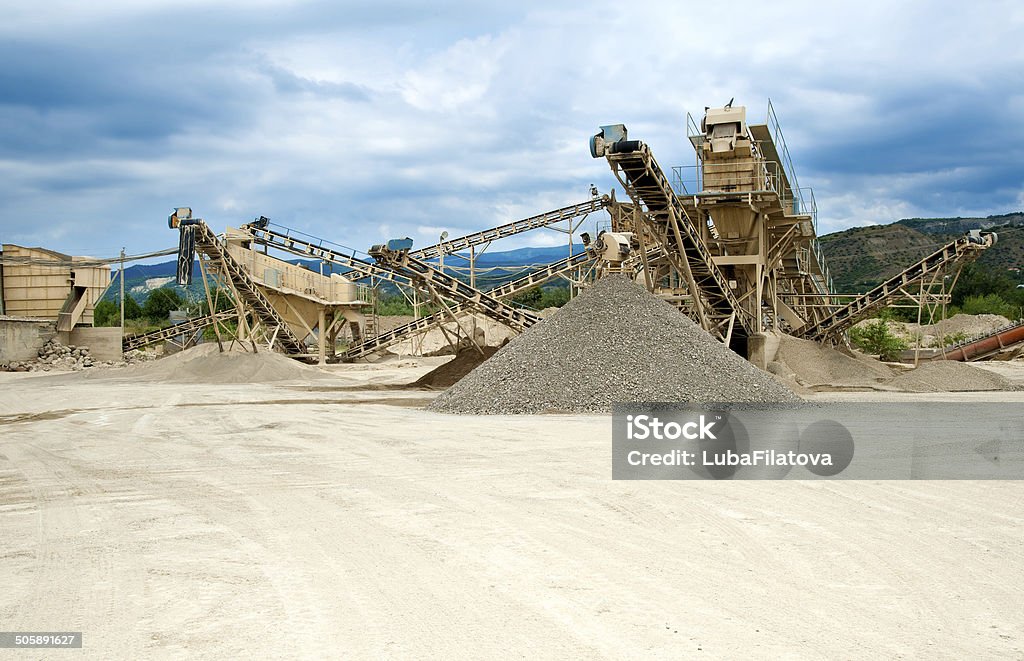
(21, 339)
(103, 343)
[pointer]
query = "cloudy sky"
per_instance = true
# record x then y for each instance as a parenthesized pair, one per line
(364, 121)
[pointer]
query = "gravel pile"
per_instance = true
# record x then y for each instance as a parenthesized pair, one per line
(613, 343)
(207, 364)
(949, 376)
(54, 356)
(812, 365)
(452, 372)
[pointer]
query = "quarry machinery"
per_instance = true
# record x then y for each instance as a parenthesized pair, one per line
(573, 268)
(279, 302)
(395, 255)
(710, 296)
(739, 250)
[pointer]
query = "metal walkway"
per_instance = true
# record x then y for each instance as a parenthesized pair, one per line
(960, 251)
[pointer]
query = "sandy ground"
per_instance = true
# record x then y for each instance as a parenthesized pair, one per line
(326, 521)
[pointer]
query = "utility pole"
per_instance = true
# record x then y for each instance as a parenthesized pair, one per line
(122, 289)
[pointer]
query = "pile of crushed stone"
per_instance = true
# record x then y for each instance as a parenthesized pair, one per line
(967, 324)
(813, 365)
(452, 372)
(206, 364)
(615, 342)
(949, 376)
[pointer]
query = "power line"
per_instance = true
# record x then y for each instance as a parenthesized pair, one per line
(37, 261)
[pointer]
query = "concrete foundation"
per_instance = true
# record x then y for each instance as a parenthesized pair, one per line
(761, 348)
(103, 343)
(22, 338)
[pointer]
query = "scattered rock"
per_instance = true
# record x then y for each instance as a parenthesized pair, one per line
(54, 356)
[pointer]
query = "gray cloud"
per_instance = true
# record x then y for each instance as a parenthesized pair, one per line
(355, 121)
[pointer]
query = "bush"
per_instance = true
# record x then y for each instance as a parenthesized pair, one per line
(393, 306)
(948, 340)
(108, 313)
(876, 338)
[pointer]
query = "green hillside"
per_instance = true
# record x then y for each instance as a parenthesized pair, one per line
(862, 257)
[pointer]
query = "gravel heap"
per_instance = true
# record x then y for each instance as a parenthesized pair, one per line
(207, 364)
(949, 376)
(968, 324)
(615, 342)
(54, 356)
(451, 372)
(812, 365)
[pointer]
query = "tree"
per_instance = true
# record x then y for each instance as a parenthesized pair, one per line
(131, 309)
(106, 313)
(160, 302)
(531, 298)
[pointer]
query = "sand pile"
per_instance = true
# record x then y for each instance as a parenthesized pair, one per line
(968, 324)
(613, 343)
(948, 376)
(811, 365)
(206, 364)
(452, 372)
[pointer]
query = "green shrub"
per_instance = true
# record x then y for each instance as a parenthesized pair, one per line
(949, 339)
(108, 313)
(989, 304)
(876, 338)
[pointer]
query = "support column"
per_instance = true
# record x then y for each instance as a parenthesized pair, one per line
(321, 335)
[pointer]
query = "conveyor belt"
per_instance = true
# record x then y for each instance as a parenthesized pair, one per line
(715, 305)
(831, 327)
(444, 285)
(252, 297)
(509, 229)
(139, 340)
(506, 290)
(984, 346)
(308, 248)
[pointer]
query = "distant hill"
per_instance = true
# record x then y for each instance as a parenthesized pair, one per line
(862, 257)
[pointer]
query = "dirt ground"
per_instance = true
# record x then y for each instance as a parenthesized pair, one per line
(336, 519)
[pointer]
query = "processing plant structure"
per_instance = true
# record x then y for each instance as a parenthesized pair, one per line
(731, 242)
